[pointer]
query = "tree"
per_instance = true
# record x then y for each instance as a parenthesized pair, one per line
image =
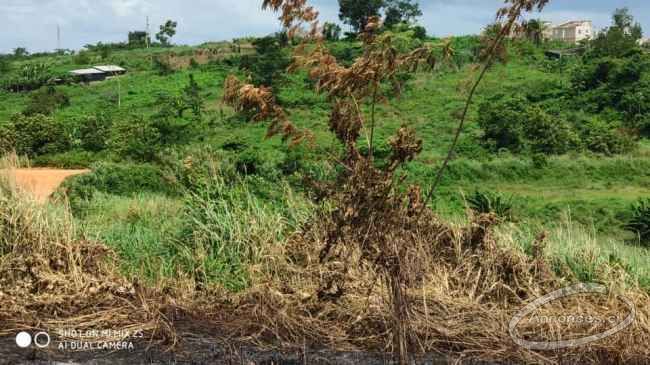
(192, 97)
(401, 11)
(138, 38)
(136, 137)
(46, 101)
(534, 30)
(5, 65)
(331, 31)
(268, 66)
(20, 52)
(420, 32)
(357, 12)
(618, 39)
(624, 21)
(167, 31)
(37, 135)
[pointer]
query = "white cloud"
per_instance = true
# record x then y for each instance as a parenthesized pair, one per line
(32, 23)
(123, 8)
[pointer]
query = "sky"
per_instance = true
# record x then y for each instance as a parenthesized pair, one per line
(32, 23)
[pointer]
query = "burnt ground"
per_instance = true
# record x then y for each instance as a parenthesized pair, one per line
(197, 350)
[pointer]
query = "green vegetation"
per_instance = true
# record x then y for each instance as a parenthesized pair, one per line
(485, 202)
(639, 222)
(556, 137)
(167, 31)
(285, 201)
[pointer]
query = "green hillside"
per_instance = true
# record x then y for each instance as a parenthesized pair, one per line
(593, 190)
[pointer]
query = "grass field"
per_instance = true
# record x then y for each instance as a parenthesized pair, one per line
(190, 211)
(595, 191)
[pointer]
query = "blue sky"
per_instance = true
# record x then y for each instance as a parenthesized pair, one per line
(32, 23)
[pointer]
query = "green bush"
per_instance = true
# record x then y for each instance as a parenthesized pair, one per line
(249, 162)
(420, 32)
(82, 58)
(74, 159)
(268, 66)
(93, 131)
(124, 179)
(548, 134)
(192, 97)
(46, 101)
(599, 136)
(620, 84)
(346, 52)
(136, 138)
(639, 221)
(516, 125)
(5, 65)
(502, 121)
(487, 202)
(36, 135)
(7, 138)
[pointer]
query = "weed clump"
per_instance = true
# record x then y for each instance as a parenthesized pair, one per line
(491, 203)
(639, 222)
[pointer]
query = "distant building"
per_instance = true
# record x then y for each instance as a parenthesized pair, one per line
(89, 75)
(572, 32)
(111, 69)
(644, 42)
(97, 73)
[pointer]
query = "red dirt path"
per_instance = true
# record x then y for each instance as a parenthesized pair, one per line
(41, 183)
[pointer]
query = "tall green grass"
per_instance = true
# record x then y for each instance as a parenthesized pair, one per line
(215, 234)
(585, 254)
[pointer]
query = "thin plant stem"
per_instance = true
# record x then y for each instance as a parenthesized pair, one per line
(372, 120)
(468, 104)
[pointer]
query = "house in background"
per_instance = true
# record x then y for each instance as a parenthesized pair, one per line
(97, 73)
(89, 75)
(111, 69)
(571, 32)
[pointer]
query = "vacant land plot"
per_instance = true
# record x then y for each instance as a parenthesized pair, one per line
(40, 183)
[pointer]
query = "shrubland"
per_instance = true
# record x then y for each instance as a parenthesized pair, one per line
(545, 187)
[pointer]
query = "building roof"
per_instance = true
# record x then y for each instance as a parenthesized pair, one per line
(573, 23)
(87, 71)
(110, 68)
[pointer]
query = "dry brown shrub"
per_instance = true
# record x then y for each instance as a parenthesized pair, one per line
(51, 278)
(463, 290)
(378, 270)
(258, 103)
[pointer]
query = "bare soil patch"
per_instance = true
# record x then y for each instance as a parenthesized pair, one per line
(40, 183)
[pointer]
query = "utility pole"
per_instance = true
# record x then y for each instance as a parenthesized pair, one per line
(119, 91)
(58, 37)
(147, 36)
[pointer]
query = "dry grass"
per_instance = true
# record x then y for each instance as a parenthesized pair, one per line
(465, 290)
(52, 278)
(468, 290)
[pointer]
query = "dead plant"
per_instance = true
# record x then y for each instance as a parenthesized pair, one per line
(371, 215)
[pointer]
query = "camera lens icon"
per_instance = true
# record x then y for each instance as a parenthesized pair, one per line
(23, 340)
(41, 340)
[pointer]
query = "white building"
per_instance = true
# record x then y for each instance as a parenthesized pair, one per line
(573, 31)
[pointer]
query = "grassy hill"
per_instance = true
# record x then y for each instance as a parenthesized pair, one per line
(581, 190)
